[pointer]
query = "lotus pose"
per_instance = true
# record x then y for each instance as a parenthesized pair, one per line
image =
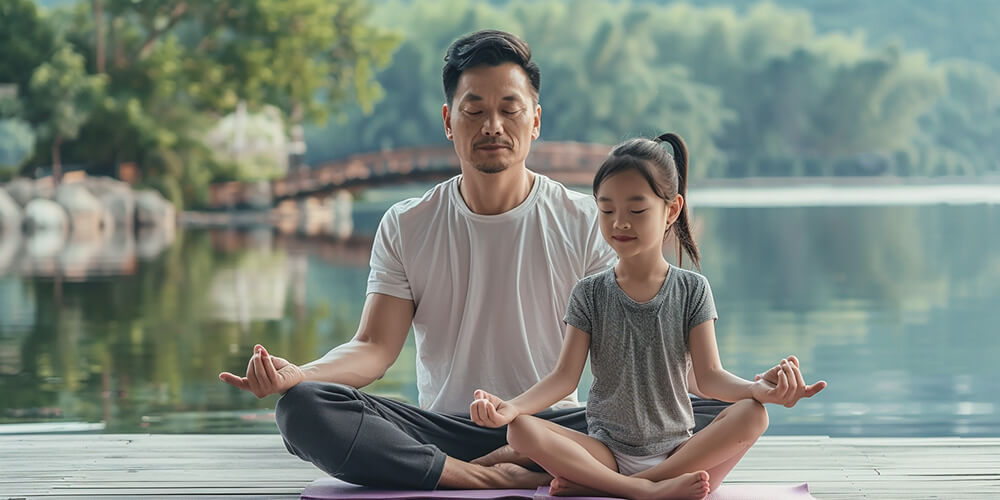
(649, 328)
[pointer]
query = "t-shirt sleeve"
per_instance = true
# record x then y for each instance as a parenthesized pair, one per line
(601, 256)
(578, 313)
(388, 275)
(702, 304)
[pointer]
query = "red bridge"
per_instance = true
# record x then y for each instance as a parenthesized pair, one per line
(571, 163)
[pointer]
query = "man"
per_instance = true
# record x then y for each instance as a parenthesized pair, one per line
(482, 267)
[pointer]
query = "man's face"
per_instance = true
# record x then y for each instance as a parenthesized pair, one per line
(493, 117)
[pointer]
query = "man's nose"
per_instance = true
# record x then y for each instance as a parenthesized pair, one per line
(492, 125)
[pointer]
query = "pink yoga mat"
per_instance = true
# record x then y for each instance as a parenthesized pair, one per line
(333, 489)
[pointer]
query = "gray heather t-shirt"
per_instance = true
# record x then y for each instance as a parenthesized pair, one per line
(639, 356)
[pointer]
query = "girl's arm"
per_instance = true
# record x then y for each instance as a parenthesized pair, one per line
(490, 411)
(693, 384)
(715, 382)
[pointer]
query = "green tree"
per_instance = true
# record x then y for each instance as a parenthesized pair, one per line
(26, 41)
(62, 96)
(959, 135)
(757, 90)
(175, 67)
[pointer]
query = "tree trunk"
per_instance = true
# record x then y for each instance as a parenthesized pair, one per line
(99, 34)
(56, 160)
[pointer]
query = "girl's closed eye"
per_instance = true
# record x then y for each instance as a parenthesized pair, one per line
(638, 211)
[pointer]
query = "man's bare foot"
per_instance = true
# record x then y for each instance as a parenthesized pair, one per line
(562, 487)
(506, 455)
(693, 485)
(514, 476)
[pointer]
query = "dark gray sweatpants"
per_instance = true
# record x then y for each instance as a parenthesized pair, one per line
(376, 441)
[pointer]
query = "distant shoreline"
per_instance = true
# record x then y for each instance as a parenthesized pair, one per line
(765, 192)
(751, 192)
(851, 181)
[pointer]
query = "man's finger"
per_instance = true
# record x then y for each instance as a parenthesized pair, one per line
(270, 373)
(256, 376)
(234, 380)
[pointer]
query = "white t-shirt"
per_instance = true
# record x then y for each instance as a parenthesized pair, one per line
(490, 290)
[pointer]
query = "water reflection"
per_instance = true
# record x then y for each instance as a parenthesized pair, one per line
(894, 306)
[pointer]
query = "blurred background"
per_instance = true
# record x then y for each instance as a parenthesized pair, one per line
(180, 180)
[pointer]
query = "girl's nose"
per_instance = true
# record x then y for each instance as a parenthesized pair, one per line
(623, 225)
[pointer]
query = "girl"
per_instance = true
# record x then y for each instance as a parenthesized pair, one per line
(648, 327)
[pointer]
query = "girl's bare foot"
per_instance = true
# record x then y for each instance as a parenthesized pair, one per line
(562, 487)
(515, 476)
(693, 485)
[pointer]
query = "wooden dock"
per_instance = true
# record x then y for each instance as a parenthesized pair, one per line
(257, 466)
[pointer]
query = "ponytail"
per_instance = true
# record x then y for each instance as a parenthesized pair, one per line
(685, 240)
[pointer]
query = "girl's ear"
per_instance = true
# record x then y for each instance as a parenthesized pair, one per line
(674, 209)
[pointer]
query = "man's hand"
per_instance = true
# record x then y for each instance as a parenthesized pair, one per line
(788, 369)
(488, 410)
(266, 374)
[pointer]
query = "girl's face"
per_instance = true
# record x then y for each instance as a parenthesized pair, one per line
(633, 219)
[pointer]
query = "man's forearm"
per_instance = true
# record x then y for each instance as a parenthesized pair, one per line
(355, 363)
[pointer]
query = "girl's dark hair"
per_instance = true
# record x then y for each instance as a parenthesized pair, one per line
(489, 47)
(666, 174)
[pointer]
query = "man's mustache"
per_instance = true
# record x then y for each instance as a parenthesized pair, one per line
(492, 142)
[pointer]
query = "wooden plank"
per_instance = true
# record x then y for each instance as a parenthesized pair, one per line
(258, 466)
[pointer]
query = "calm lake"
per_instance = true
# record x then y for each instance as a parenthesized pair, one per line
(896, 305)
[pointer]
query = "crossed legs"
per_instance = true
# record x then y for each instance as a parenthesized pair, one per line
(713, 451)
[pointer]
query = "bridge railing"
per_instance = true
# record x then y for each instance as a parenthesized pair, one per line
(568, 162)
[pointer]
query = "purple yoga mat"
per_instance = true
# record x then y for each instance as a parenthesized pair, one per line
(329, 488)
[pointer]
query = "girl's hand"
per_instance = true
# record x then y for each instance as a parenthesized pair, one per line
(488, 410)
(798, 388)
(766, 392)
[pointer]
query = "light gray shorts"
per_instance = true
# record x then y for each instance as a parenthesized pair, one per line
(628, 465)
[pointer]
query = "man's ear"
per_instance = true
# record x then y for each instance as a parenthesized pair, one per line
(446, 116)
(536, 128)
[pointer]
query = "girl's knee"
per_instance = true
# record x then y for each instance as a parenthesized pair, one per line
(753, 414)
(522, 433)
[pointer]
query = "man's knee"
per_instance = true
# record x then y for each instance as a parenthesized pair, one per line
(299, 409)
(319, 422)
(706, 410)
